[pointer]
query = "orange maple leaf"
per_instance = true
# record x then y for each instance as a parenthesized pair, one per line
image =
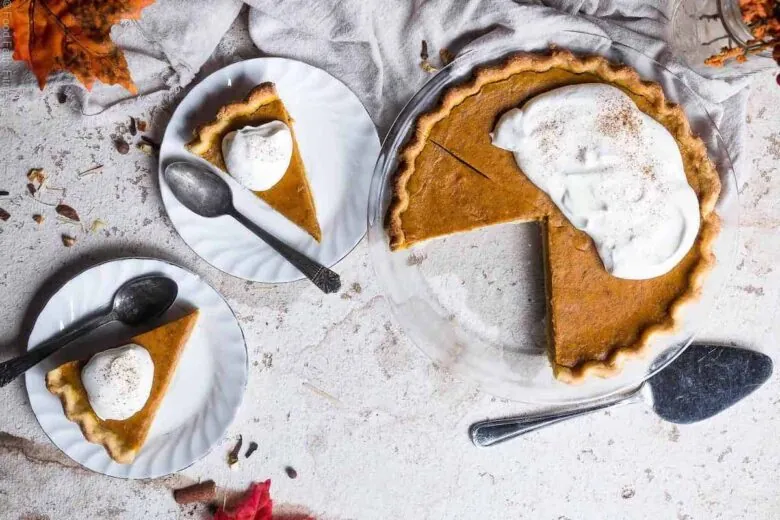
(72, 35)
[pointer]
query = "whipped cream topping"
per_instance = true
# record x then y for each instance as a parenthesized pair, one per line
(612, 170)
(258, 156)
(118, 381)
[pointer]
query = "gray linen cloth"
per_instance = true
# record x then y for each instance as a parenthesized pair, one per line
(164, 49)
(374, 47)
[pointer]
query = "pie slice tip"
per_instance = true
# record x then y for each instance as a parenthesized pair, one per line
(124, 439)
(292, 195)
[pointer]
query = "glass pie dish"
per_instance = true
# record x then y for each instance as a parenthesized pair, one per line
(475, 302)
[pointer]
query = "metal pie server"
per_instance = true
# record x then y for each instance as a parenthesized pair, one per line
(703, 381)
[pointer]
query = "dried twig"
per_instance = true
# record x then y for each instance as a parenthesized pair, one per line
(91, 171)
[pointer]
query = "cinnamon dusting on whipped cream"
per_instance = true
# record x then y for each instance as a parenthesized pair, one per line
(612, 170)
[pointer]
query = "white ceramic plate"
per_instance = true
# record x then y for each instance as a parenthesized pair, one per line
(204, 395)
(339, 145)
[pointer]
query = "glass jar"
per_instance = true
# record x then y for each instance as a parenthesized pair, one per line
(700, 29)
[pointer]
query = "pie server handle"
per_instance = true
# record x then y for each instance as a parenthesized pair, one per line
(495, 431)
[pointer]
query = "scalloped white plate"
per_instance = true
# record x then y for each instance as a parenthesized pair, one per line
(204, 395)
(339, 145)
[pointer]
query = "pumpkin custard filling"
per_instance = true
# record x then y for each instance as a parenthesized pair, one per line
(607, 292)
(115, 395)
(257, 120)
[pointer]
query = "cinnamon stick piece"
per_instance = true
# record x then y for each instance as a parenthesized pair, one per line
(202, 492)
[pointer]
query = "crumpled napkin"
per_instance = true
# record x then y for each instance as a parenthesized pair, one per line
(374, 47)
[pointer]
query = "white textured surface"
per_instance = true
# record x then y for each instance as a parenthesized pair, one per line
(204, 395)
(338, 144)
(391, 440)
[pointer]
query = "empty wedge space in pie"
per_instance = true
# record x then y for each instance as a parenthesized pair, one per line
(623, 190)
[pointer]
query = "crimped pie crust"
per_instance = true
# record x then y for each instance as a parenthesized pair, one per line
(207, 134)
(621, 76)
(292, 196)
(76, 405)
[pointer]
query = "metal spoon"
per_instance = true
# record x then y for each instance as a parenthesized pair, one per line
(136, 301)
(701, 382)
(208, 195)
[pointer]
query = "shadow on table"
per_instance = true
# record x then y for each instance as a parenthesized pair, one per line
(107, 335)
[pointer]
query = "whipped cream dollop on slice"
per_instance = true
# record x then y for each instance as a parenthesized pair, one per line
(118, 381)
(613, 171)
(258, 156)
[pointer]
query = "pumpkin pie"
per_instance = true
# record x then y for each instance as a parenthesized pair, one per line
(451, 179)
(124, 438)
(292, 195)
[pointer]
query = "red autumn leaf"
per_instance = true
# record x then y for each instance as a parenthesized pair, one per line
(256, 505)
(74, 36)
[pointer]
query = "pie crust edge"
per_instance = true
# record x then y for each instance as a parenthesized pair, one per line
(204, 137)
(260, 95)
(90, 428)
(616, 74)
(93, 432)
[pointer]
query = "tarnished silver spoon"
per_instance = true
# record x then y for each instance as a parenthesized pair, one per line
(136, 301)
(208, 195)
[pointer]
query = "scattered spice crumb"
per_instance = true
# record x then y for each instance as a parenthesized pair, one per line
(38, 218)
(141, 124)
(146, 148)
(205, 491)
(427, 67)
(154, 144)
(628, 493)
(252, 448)
(133, 128)
(97, 225)
(357, 288)
(68, 241)
(61, 97)
(67, 212)
(36, 175)
(121, 145)
(4, 215)
(31, 188)
(445, 56)
(4, 193)
(425, 64)
(233, 455)
(291, 472)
